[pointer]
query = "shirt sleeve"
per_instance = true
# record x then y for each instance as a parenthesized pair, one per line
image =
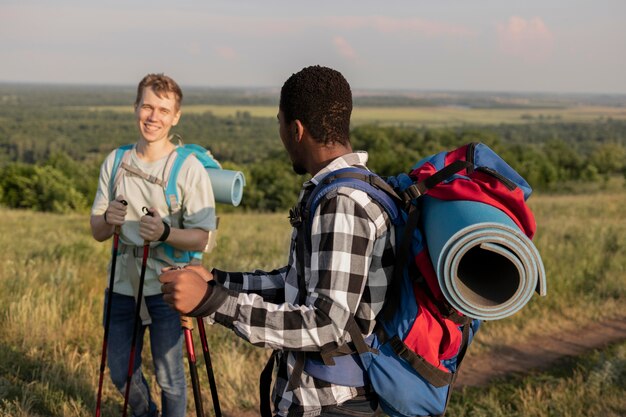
(198, 201)
(102, 199)
(342, 239)
(268, 285)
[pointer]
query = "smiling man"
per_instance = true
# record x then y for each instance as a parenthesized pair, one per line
(139, 183)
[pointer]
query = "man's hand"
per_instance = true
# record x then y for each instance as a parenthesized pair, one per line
(151, 226)
(184, 289)
(116, 212)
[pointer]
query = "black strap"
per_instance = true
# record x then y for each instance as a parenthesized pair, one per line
(443, 174)
(358, 345)
(431, 373)
(265, 384)
(460, 356)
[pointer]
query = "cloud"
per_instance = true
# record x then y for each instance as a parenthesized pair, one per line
(529, 40)
(343, 47)
(227, 53)
(390, 25)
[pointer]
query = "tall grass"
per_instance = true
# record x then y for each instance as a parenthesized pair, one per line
(582, 241)
(53, 276)
(592, 385)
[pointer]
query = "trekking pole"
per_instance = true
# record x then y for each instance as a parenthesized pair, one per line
(187, 324)
(133, 345)
(107, 316)
(209, 368)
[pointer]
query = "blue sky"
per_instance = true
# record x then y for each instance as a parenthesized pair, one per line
(477, 45)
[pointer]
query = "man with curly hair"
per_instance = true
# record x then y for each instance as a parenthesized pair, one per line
(335, 277)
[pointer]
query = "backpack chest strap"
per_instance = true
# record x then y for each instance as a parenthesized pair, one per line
(136, 171)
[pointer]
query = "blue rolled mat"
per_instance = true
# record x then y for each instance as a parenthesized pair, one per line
(486, 266)
(227, 185)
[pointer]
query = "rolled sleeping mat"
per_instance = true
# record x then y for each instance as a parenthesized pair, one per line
(227, 185)
(486, 266)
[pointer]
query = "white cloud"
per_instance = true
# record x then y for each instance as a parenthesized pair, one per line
(529, 40)
(385, 24)
(227, 53)
(343, 47)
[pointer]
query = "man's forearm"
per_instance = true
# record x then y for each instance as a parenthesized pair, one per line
(188, 239)
(101, 230)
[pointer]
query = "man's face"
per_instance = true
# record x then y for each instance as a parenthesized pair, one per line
(287, 133)
(156, 115)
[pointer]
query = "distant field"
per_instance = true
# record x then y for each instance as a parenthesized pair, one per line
(429, 116)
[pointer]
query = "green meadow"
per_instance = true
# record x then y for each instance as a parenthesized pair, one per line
(53, 273)
(427, 116)
(53, 278)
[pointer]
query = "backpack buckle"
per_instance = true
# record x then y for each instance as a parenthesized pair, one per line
(414, 191)
(295, 216)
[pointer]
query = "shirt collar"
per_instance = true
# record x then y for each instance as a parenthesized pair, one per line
(344, 161)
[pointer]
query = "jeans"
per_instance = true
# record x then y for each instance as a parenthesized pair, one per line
(166, 339)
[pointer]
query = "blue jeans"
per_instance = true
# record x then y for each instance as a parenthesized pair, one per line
(166, 340)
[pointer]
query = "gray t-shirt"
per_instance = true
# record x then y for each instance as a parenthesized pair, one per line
(197, 212)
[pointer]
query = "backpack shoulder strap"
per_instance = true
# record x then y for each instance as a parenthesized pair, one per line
(122, 154)
(360, 179)
(204, 156)
(172, 168)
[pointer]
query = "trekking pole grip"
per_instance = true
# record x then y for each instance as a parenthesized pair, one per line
(186, 322)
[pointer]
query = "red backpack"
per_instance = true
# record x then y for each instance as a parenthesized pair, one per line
(413, 357)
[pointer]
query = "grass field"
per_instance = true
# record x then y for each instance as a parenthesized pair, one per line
(428, 116)
(53, 278)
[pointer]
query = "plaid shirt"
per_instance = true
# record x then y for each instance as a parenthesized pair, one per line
(346, 273)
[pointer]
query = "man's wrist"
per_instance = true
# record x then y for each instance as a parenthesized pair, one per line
(166, 232)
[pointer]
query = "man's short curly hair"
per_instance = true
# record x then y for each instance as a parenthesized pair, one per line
(321, 99)
(161, 85)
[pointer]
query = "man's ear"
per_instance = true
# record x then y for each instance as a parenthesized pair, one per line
(298, 132)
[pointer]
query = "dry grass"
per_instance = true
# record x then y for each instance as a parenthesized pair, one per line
(53, 277)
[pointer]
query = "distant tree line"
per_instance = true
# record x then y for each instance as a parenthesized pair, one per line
(50, 155)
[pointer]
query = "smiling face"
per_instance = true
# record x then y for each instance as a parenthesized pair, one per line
(156, 115)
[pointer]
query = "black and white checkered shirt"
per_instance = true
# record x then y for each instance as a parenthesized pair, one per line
(347, 272)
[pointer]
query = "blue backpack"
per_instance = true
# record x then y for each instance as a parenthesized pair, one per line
(412, 358)
(168, 182)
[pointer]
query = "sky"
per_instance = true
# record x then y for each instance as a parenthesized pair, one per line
(563, 46)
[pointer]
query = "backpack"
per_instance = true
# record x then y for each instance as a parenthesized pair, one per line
(412, 358)
(227, 185)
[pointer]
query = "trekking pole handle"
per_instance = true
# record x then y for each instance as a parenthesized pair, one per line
(147, 212)
(186, 322)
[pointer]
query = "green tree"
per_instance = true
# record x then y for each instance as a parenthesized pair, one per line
(272, 186)
(609, 158)
(41, 188)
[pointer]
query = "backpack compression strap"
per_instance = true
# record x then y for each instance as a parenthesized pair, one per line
(422, 187)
